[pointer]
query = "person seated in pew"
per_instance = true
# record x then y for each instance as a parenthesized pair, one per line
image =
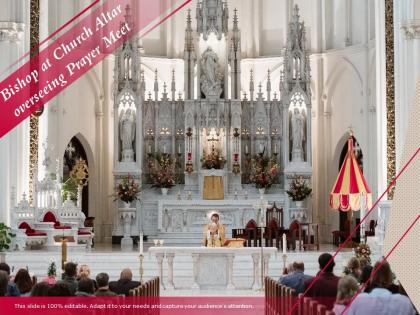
(296, 279)
(324, 289)
(381, 299)
(347, 288)
(102, 279)
(124, 284)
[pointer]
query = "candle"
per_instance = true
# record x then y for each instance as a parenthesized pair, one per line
(141, 244)
(246, 149)
(261, 148)
(284, 244)
(179, 148)
(149, 150)
(164, 148)
(275, 148)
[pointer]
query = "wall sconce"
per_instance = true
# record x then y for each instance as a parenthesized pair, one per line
(165, 131)
(260, 131)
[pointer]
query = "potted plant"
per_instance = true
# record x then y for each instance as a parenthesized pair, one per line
(51, 278)
(6, 236)
(162, 172)
(127, 190)
(298, 190)
(263, 172)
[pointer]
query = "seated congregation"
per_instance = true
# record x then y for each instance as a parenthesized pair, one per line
(362, 289)
(74, 282)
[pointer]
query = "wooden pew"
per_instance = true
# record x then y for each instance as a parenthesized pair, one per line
(280, 299)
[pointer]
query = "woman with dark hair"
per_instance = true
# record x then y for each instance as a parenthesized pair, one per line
(85, 287)
(61, 288)
(40, 289)
(4, 283)
(23, 282)
(364, 277)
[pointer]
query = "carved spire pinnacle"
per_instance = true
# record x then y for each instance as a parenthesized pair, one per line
(251, 80)
(156, 86)
(235, 20)
(173, 81)
(296, 16)
(189, 21)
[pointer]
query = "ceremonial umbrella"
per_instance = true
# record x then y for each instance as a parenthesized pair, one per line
(350, 191)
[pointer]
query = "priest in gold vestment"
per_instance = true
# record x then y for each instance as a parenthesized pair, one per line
(214, 233)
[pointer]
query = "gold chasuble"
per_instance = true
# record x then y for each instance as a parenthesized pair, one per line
(213, 188)
(214, 235)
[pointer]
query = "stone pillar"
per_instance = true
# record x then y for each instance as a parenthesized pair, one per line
(170, 258)
(196, 258)
(256, 279)
(159, 258)
(230, 285)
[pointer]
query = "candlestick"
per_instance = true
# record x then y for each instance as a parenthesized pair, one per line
(141, 269)
(284, 263)
(63, 252)
(141, 244)
(284, 244)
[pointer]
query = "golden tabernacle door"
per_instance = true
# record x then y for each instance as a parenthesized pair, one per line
(213, 188)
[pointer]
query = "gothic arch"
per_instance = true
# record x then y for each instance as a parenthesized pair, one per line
(84, 151)
(339, 148)
(95, 83)
(334, 78)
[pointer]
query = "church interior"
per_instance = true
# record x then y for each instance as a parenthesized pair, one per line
(266, 129)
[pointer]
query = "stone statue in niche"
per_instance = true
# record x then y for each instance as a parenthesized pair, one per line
(127, 134)
(211, 77)
(298, 135)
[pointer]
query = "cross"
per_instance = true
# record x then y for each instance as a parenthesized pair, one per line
(212, 140)
(261, 205)
(70, 150)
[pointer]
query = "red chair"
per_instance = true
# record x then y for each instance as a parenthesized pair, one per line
(30, 231)
(372, 226)
(249, 233)
(50, 217)
(272, 231)
(292, 234)
(340, 236)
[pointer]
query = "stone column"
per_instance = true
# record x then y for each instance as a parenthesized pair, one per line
(256, 281)
(159, 258)
(266, 261)
(230, 285)
(196, 258)
(127, 216)
(170, 258)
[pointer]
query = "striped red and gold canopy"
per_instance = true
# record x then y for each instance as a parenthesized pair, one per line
(350, 186)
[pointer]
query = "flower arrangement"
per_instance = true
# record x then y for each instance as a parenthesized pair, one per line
(127, 190)
(213, 161)
(299, 188)
(263, 171)
(51, 278)
(363, 251)
(162, 171)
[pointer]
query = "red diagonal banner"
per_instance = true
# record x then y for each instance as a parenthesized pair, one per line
(74, 53)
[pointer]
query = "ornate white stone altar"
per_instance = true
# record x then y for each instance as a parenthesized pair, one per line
(212, 267)
(210, 119)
